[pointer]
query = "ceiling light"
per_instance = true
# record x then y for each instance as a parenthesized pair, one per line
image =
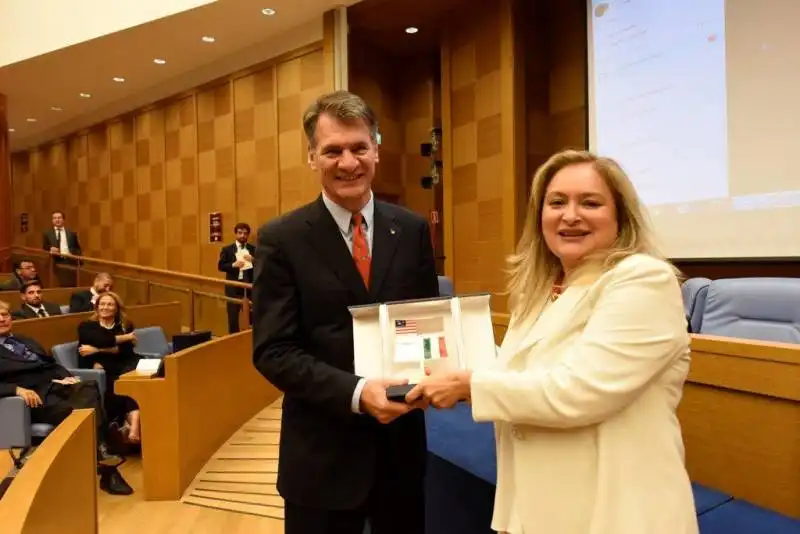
(268, 11)
(56, 108)
(412, 29)
(11, 130)
(30, 119)
(208, 39)
(85, 95)
(118, 79)
(159, 61)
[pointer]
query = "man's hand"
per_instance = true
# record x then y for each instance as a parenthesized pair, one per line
(238, 264)
(248, 258)
(375, 402)
(87, 350)
(31, 398)
(54, 250)
(67, 381)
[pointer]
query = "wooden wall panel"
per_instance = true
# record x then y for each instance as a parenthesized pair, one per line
(139, 187)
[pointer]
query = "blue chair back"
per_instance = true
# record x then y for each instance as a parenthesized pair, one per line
(694, 292)
(445, 287)
(766, 309)
(66, 354)
(151, 342)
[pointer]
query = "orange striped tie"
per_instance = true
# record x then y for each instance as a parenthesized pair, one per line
(361, 248)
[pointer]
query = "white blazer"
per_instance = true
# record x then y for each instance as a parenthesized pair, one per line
(584, 397)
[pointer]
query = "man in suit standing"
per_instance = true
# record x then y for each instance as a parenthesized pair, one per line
(347, 454)
(83, 300)
(236, 261)
(60, 240)
(32, 304)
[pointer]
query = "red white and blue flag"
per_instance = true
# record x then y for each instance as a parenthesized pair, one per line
(405, 326)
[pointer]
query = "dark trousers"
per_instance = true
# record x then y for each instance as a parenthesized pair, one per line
(60, 400)
(394, 506)
(235, 309)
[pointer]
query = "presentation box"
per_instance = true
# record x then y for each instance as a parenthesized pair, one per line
(401, 339)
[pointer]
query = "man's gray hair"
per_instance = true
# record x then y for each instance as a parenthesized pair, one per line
(341, 105)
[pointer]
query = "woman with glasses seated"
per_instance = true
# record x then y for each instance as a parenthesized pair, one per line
(107, 341)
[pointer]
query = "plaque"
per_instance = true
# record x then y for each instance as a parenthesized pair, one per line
(405, 339)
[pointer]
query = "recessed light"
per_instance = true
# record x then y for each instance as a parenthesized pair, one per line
(85, 95)
(56, 108)
(159, 61)
(412, 29)
(268, 11)
(30, 119)
(208, 39)
(118, 79)
(11, 130)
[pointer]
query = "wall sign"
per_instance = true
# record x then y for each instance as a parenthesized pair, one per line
(214, 227)
(23, 223)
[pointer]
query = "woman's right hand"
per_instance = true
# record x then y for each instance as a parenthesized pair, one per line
(87, 350)
(97, 366)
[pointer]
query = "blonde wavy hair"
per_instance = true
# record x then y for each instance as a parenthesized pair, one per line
(120, 317)
(533, 268)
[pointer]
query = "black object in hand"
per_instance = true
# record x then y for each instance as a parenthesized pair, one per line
(398, 393)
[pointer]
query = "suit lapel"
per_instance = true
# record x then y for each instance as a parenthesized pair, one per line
(385, 237)
(327, 239)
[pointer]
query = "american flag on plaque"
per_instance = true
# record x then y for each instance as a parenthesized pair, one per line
(424, 326)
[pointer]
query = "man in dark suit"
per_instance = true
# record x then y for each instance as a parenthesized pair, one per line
(83, 300)
(60, 240)
(236, 261)
(51, 392)
(347, 453)
(32, 304)
(24, 271)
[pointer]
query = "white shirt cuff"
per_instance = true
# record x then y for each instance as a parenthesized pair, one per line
(356, 402)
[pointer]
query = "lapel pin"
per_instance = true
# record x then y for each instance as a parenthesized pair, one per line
(392, 231)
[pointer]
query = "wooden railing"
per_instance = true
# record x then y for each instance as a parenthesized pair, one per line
(203, 303)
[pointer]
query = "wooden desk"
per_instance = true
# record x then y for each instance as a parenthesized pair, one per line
(740, 416)
(56, 490)
(208, 392)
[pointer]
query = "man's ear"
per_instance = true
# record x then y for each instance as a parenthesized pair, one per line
(312, 160)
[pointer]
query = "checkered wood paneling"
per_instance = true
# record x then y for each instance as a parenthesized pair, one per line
(150, 193)
(256, 148)
(139, 188)
(300, 81)
(216, 170)
(477, 152)
(124, 226)
(182, 195)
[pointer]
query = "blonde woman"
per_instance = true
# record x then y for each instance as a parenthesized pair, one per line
(586, 384)
(106, 341)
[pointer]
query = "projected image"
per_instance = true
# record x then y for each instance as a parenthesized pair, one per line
(697, 100)
(659, 95)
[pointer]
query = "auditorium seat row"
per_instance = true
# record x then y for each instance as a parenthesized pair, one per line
(462, 476)
(764, 309)
(16, 430)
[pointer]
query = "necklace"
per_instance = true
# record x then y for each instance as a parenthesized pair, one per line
(557, 288)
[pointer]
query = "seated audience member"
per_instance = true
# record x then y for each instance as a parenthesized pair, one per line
(106, 342)
(24, 271)
(32, 304)
(51, 393)
(83, 300)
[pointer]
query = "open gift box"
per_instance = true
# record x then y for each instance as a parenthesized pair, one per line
(401, 339)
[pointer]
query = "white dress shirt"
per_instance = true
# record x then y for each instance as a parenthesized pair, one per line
(61, 235)
(343, 218)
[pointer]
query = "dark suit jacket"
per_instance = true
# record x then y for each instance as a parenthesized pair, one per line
(49, 240)
(305, 279)
(225, 264)
(17, 372)
(81, 301)
(27, 313)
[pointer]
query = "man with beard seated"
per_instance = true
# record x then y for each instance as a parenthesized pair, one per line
(51, 392)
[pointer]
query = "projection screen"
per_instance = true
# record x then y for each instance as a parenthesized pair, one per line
(699, 101)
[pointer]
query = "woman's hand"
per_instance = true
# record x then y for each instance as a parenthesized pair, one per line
(443, 390)
(125, 338)
(98, 366)
(87, 350)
